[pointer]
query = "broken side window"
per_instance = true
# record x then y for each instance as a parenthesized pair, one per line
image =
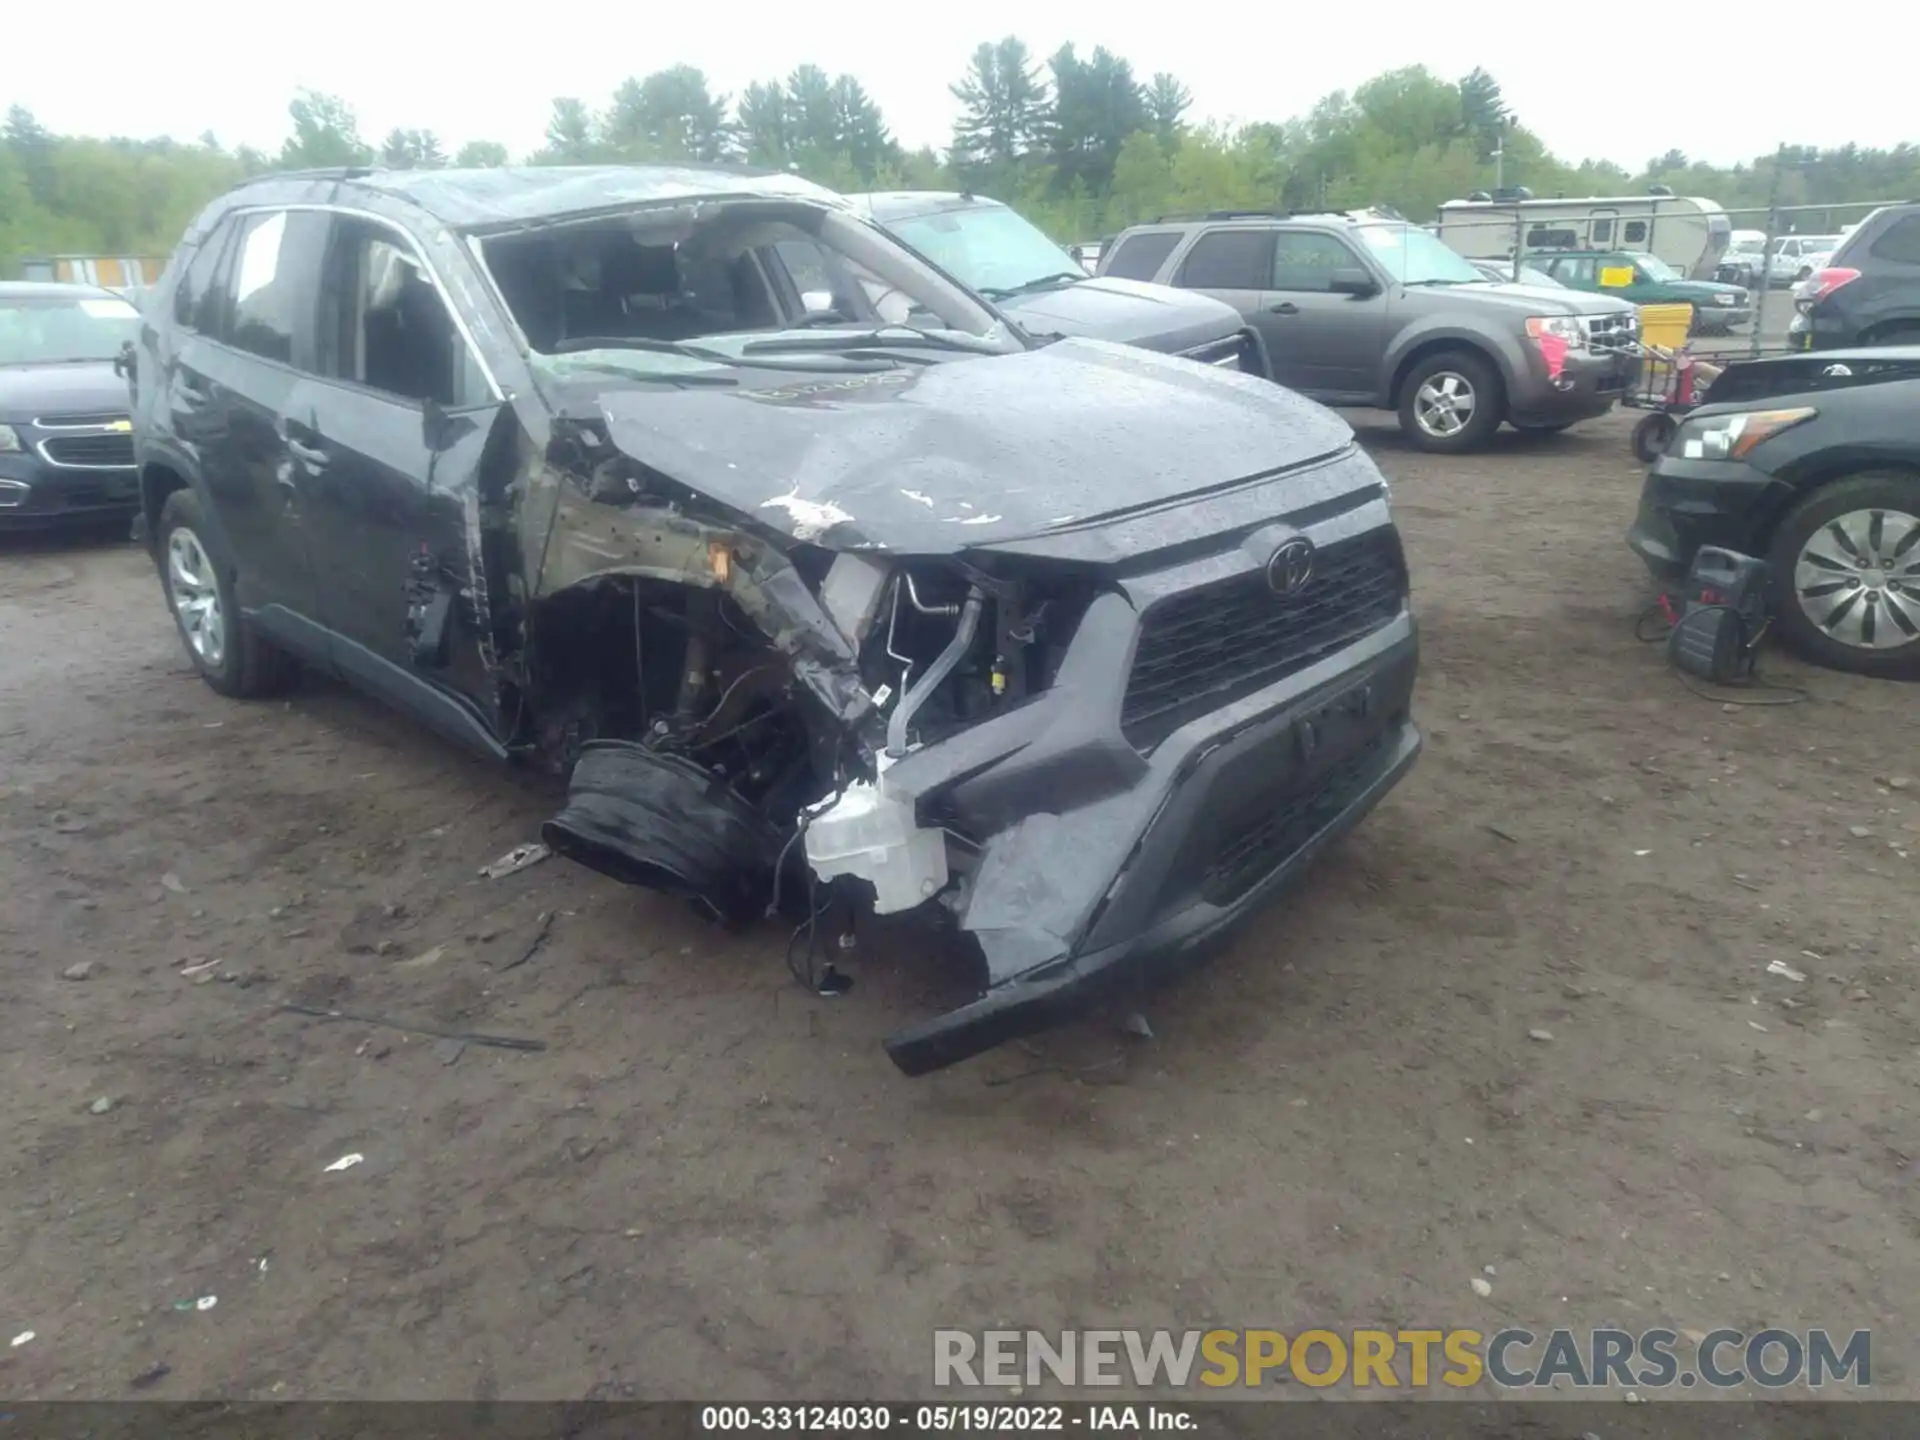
(385, 325)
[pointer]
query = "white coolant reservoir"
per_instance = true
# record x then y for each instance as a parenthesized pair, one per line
(871, 835)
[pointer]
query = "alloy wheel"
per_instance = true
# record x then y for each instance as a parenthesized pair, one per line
(1444, 404)
(1858, 579)
(195, 594)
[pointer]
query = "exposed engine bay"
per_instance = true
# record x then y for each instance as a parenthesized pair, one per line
(707, 759)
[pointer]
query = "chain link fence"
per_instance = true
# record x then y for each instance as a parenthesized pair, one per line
(1772, 252)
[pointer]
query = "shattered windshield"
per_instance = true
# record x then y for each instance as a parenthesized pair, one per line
(671, 293)
(995, 250)
(48, 329)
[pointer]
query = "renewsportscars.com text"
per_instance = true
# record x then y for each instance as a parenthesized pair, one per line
(1513, 1359)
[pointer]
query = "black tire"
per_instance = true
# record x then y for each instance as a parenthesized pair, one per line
(1489, 402)
(1895, 335)
(1890, 494)
(243, 664)
(1651, 435)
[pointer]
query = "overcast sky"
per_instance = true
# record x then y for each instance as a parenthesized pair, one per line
(489, 72)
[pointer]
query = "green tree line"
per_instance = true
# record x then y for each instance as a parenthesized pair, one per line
(1078, 141)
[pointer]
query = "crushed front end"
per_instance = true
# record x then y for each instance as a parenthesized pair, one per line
(1233, 694)
(1092, 749)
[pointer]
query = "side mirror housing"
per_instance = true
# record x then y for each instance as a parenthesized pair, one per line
(1354, 282)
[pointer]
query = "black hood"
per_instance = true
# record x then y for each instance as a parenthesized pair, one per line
(79, 387)
(1814, 373)
(1128, 312)
(939, 458)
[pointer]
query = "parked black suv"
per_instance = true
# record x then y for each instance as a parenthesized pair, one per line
(1084, 649)
(66, 441)
(998, 253)
(1368, 310)
(1869, 291)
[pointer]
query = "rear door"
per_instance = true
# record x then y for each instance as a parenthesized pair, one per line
(234, 377)
(1234, 265)
(392, 436)
(1324, 345)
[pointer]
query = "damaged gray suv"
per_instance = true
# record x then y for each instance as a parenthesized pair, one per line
(1078, 650)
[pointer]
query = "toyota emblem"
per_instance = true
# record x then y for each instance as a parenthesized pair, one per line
(1290, 567)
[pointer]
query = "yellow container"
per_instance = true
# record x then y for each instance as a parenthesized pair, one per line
(1663, 334)
(1665, 325)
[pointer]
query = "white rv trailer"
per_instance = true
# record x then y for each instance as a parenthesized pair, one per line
(1686, 231)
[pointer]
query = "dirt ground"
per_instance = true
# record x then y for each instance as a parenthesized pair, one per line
(710, 1184)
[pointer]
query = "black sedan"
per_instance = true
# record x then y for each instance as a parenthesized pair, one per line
(1813, 463)
(66, 439)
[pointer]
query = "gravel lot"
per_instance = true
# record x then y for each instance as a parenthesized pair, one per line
(711, 1182)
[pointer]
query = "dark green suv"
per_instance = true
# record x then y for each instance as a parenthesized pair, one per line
(1648, 280)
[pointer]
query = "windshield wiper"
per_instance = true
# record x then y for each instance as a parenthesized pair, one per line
(1039, 282)
(880, 338)
(639, 342)
(1437, 281)
(681, 347)
(660, 377)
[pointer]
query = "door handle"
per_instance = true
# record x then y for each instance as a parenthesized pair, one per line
(310, 456)
(1283, 307)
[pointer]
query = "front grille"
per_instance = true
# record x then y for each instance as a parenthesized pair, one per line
(82, 422)
(1207, 647)
(1262, 845)
(1612, 334)
(94, 452)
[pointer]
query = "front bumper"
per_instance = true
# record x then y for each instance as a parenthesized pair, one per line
(1227, 812)
(37, 495)
(1685, 504)
(1589, 384)
(1721, 317)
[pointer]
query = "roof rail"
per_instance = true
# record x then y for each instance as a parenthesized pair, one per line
(1220, 215)
(318, 172)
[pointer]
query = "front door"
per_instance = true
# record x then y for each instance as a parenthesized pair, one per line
(392, 438)
(1323, 344)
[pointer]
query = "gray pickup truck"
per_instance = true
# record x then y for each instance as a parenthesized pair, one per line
(1368, 310)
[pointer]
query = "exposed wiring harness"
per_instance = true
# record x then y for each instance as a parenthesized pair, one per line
(808, 928)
